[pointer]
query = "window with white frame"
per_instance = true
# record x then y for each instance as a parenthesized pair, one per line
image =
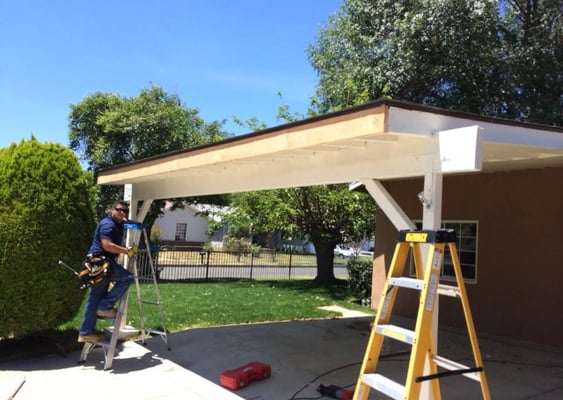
(181, 231)
(466, 235)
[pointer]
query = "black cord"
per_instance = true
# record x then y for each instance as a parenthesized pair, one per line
(398, 354)
(382, 357)
(320, 376)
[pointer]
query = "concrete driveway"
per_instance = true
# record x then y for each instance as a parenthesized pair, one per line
(302, 355)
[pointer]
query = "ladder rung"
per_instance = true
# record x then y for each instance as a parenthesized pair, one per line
(409, 283)
(451, 365)
(396, 332)
(418, 284)
(385, 385)
(156, 332)
(154, 303)
(448, 290)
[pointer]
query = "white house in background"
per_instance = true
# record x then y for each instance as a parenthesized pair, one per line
(188, 226)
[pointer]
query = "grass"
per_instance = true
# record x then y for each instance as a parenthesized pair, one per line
(200, 304)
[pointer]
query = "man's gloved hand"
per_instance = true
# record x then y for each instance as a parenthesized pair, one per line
(132, 251)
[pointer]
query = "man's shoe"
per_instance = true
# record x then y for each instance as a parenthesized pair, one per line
(94, 337)
(110, 314)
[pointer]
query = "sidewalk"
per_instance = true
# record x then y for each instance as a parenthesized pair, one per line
(302, 354)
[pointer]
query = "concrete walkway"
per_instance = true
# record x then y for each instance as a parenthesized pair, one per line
(302, 354)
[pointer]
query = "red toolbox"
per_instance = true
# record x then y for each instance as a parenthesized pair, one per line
(242, 376)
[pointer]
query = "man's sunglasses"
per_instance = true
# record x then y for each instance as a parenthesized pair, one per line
(123, 210)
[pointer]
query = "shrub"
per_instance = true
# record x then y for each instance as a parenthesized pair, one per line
(360, 275)
(45, 215)
(236, 245)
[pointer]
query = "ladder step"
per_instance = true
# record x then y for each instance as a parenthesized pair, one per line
(451, 365)
(409, 283)
(156, 332)
(154, 303)
(385, 385)
(396, 332)
(418, 284)
(449, 290)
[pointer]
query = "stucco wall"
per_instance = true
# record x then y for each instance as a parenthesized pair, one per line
(197, 225)
(519, 289)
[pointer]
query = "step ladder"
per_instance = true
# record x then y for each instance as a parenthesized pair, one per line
(119, 328)
(423, 362)
(147, 274)
(108, 347)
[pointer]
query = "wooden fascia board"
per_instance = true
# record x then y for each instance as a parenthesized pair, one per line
(319, 132)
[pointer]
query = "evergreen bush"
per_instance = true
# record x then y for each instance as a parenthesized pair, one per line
(45, 216)
(359, 278)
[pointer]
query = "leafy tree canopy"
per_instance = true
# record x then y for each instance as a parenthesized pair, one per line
(331, 212)
(532, 56)
(109, 129)
(499, 58)
(326, 215)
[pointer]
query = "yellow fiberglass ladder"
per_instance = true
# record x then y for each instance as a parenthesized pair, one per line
(145, 273)
(423, 362)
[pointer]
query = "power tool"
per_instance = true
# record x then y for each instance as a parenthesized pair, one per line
(335, 392)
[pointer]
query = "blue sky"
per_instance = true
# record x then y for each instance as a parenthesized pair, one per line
(224, 57)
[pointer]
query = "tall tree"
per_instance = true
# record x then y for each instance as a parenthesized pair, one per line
(467, 55)
(532, 33)
(426, 51)
(326, 215)
(109, 129)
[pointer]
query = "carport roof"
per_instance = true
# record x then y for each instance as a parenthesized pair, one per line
(379, 140)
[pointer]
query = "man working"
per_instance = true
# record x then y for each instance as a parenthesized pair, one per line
(108, 237)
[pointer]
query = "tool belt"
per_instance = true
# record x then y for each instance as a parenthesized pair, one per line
(95, 271)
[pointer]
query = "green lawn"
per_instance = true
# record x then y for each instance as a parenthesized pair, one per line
(196, 304)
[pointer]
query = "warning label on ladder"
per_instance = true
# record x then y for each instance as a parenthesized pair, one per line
(432, 290)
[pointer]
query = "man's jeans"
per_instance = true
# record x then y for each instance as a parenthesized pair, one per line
(100, 298)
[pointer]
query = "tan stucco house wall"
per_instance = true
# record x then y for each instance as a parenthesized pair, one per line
(519, 288)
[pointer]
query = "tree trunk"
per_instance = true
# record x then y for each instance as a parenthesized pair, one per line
(325, 263)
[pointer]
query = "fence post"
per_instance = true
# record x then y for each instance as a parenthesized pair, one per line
(290, 256)
(251, 262)
(207, 265)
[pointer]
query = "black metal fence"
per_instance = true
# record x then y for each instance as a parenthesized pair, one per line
(177, 263)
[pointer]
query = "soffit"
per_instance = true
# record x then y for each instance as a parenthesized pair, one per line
(380, 140)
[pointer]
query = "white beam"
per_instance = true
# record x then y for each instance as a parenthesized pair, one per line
(277, 174)
(461, 150)
(388, 204)
(142, 213)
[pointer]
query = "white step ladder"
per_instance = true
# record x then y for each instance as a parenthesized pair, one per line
(423, 353)
(108, 347)
(153, 298)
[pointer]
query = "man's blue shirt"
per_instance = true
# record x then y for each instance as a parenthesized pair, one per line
(107, 228)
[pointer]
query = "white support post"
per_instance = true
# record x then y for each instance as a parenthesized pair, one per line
(456, 150)
(128, 195)
(431, 199)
